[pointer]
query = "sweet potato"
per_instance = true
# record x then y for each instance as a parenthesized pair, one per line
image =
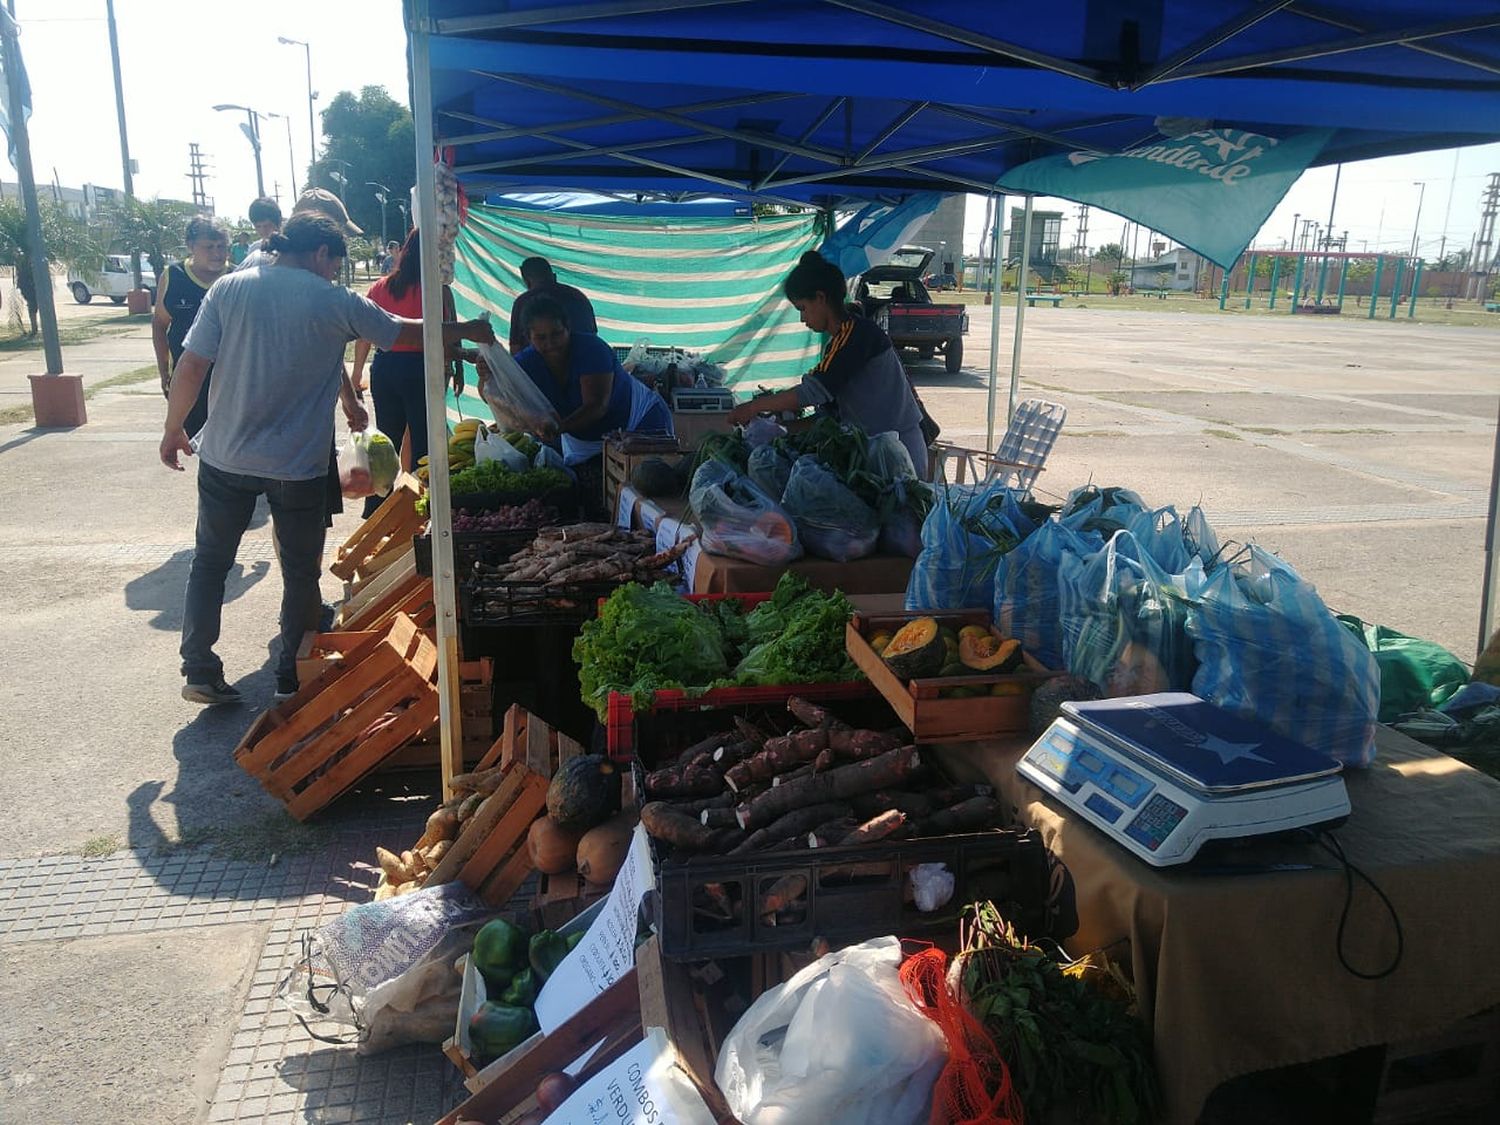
(442, 824)
(396, 872)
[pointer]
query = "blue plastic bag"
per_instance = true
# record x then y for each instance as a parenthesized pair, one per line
(1124, 620)
(968, 531)
(1026, 592)
(1269, 649)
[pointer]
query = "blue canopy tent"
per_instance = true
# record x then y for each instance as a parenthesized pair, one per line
(827, 103)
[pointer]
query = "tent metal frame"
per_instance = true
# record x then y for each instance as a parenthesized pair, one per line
(865, 166)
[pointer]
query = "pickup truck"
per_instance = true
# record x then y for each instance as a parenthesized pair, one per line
(894, 297)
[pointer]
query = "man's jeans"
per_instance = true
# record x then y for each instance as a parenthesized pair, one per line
(226, 503)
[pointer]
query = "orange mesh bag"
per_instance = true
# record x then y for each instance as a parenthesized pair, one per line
(974, 1087)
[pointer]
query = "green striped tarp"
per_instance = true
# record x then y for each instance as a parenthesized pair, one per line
(710, 285)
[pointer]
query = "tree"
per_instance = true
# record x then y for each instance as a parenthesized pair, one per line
(66, 241)
(1110, 252)
(156, 228)
(368, 138)
(1454, 262)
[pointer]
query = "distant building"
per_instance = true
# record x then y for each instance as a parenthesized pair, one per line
(1046, 237)
(1176, 269)
(89, 202)
(943, 234)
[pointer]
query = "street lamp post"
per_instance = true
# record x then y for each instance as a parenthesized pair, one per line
(290, 159)
(405, 222)
(252, 133)
(312, 136)
(382, 195)
(340, 178)
(1417, 226)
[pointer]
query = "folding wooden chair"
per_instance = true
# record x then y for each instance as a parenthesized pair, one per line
(1019, 460)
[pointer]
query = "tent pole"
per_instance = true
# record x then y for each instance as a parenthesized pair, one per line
(1297, 283)
(995, 275)
(1343, 280)
(1416, 285)
(1489, 602)
(1250, 281)
(438, 494)
(1396, 287)
(1021, 271)
(1275, 280)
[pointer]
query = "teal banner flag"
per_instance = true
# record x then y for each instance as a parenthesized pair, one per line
(1210, 190)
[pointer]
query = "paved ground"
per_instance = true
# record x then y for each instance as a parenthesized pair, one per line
(141, 983)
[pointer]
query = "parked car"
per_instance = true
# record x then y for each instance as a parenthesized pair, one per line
(937, 282)
(113, 280)
(894, 297)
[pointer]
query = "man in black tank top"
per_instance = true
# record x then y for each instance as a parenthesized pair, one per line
(177, 299)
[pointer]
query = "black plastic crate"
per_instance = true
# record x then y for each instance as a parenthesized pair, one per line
(490, 602)
(712, 906)
(469, 547)
(566, 500)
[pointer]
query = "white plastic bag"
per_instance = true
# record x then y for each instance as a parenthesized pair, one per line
(355, 479)
(839, 1044)
(510, 393)
(490, 446)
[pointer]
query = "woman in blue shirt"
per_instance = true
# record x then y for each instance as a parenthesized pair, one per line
(592, 394)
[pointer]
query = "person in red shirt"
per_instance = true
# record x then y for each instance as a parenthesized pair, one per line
(397, 377)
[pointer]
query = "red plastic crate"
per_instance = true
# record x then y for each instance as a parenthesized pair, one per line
(621, 718)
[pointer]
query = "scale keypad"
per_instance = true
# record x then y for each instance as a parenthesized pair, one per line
(1154, 823)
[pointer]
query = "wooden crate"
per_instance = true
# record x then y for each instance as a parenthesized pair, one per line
(1442, 1076)
(396, 589)
(389, 528)
(476, 710)
(526, 738)
(919, 703)
(618, 465)
(319, 652)
(310, 748)
(562, 897)
(489, 856)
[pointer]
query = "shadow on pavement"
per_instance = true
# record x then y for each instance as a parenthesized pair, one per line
(160, 591)
(338, 1084)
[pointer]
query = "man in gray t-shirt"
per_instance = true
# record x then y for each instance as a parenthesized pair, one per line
(276, 336)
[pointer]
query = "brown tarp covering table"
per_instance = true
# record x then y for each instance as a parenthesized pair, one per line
(1239, 973)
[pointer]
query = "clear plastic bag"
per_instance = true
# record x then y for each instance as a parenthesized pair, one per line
(888, 459)
(840, 1043)
(770, 469)
(490, 446)
(356, 481)
(832, 521)
(516, 401)
(738, 520)
(761, 431)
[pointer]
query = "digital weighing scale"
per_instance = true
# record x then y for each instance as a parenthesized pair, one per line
(1162, 774)
(702, 400)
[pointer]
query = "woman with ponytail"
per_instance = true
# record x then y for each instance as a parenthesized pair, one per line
(859, 377)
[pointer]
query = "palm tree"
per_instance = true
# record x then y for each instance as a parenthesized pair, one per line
(66, 241)
(156, 228)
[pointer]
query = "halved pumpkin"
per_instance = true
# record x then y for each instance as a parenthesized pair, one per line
(988, 653)
(916, 650)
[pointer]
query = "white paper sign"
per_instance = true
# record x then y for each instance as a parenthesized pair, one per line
(644, 1086)
(607, 951)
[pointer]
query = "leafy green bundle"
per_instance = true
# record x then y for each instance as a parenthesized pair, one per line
(492, 476)
(644, 640)
(1067, 1031)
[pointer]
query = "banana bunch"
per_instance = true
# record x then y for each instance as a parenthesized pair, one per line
(460, 448)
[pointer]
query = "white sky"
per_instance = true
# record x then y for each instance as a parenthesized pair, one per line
(179, 58)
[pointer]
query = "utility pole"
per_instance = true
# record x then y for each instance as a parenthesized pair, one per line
(114, 58)
(198, 174)
(1416, 227)
(56, 398)
(1481, 260)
